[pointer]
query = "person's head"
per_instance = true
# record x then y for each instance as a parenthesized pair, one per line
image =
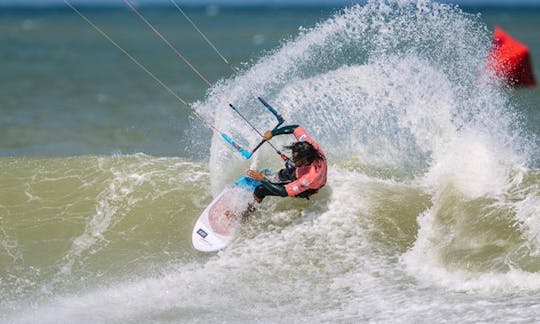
(303, 153)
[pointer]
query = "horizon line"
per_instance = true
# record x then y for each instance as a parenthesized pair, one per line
(247, 5)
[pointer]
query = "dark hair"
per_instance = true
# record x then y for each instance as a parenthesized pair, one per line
(304, 150)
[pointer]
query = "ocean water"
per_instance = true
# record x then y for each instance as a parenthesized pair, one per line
(432, 208)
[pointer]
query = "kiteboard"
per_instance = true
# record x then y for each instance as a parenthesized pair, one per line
(216, 226)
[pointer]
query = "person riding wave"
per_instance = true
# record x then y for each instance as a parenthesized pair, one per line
(302, 180)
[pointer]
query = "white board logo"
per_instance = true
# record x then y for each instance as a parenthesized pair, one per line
(302, 138)
(295, 188)
(202, 233)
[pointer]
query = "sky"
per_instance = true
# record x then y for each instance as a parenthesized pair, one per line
(256, 2)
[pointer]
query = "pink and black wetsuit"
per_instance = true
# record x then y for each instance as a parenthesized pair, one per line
(305, 180)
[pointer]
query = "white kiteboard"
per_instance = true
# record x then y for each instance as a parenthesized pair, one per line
(217, 225)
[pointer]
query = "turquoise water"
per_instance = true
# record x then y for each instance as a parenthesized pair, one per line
(67, 91)
(432, 208)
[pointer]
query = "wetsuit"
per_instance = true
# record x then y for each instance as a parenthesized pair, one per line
(302, 181)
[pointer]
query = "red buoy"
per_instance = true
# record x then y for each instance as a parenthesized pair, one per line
(510, 60)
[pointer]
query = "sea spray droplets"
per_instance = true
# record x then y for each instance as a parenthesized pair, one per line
(305, 79)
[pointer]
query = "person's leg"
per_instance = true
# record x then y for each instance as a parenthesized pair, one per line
(260, 192)
(258, 195)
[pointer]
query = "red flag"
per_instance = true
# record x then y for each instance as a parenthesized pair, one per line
(510, 60)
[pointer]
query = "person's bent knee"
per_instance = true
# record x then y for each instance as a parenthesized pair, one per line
(260, 192)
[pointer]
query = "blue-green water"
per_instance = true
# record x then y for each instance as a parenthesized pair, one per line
(67, 91)
(432, 208)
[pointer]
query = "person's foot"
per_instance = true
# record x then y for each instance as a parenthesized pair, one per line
(257, 200)
(251, 208)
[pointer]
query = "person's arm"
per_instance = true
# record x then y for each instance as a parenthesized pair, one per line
(276, 189)
(279, 131)
(298, 131)
(284, 130)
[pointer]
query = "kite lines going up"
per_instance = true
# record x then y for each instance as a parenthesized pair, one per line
(245, 153)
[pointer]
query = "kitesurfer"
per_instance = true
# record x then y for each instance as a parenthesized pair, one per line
(301, 177)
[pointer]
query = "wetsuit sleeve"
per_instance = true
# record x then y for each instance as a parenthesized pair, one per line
(302, 136)
(284, 130)
(274, 188)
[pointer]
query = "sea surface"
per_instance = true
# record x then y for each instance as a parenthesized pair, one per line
(431, 213)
